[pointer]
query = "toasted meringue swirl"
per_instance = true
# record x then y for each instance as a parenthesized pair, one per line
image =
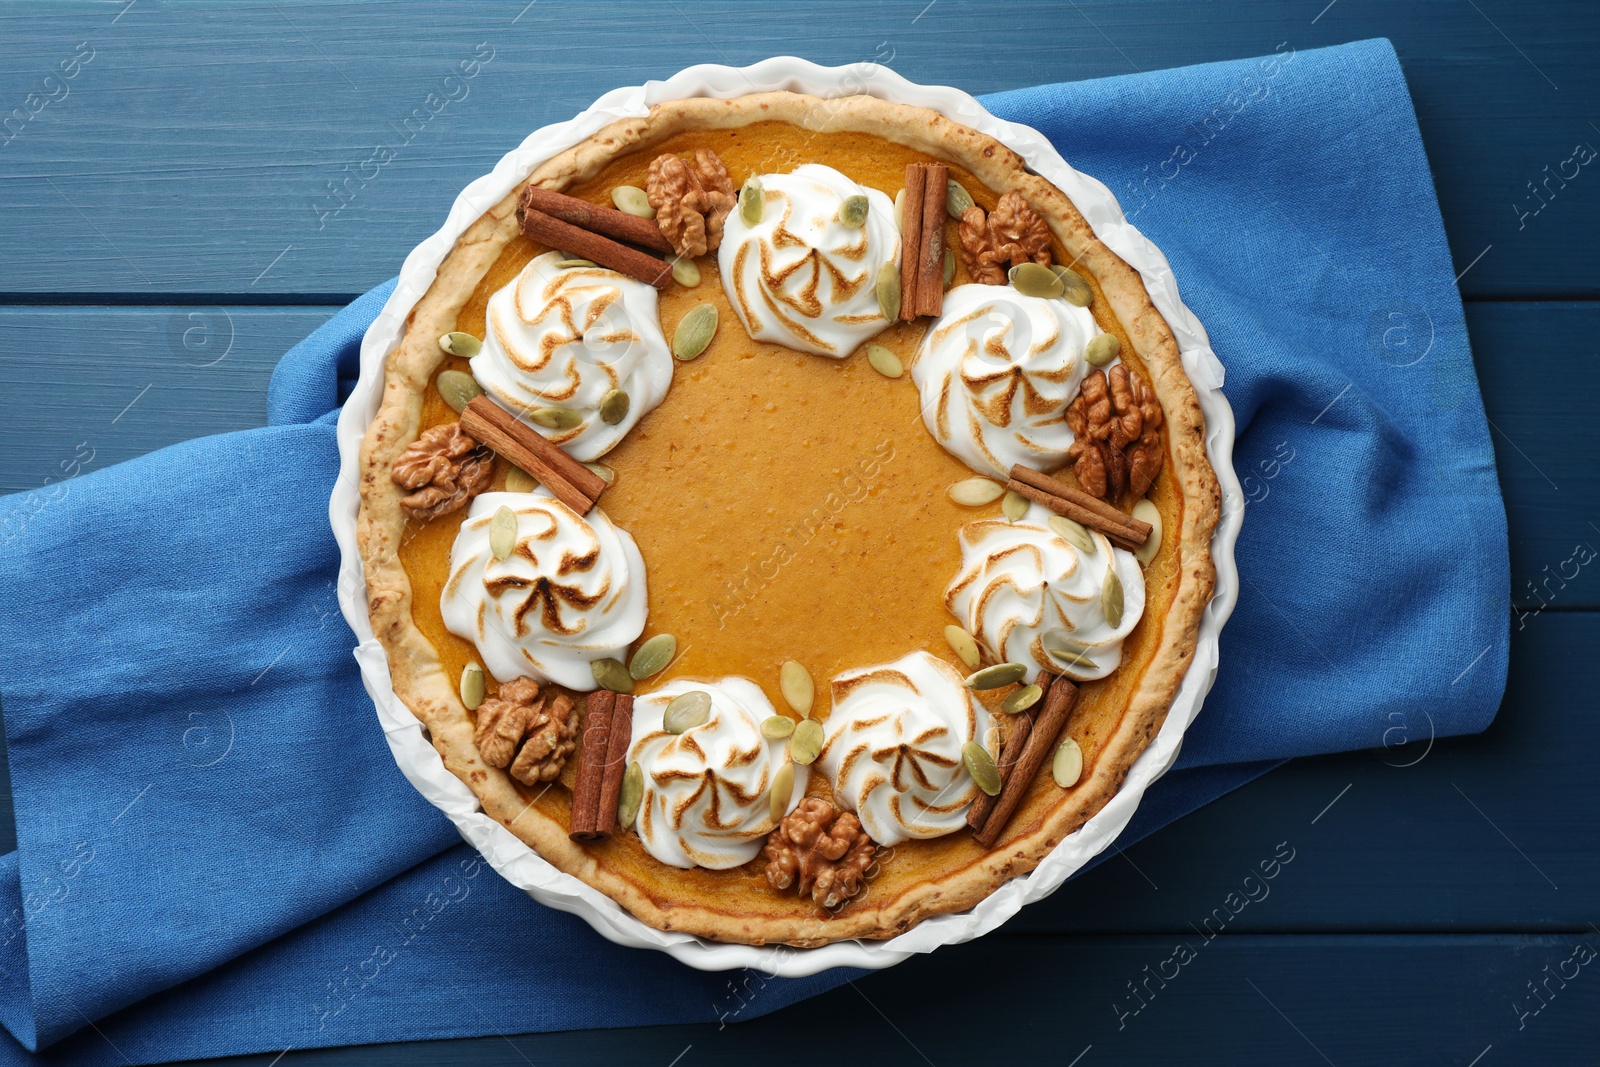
(893, 747)
(996, 373)
(571, 591)
(565, 337)
(801, 278)
(1023, 590)
(707, 790)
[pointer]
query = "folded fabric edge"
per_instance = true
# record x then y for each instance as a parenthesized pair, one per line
(16, 986)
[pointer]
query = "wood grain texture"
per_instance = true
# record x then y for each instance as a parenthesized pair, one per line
(1536, 368)
(110, 384)
(246, 149)
(1278, 999)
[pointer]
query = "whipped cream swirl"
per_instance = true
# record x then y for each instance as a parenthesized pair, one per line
(800, 277)
(893, 747)
(564, 338)
(707, 790)
(996, 373)
(571, 591)
(1024, 590)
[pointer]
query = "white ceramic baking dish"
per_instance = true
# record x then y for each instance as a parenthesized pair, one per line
(516, 861)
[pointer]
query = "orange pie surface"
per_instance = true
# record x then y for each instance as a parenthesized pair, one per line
(788, 506)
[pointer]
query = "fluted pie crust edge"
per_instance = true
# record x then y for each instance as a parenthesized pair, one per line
(421, 683)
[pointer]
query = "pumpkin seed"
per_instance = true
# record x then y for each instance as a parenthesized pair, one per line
(976, 492)
(996, 676)
(460, 344)
(964, 645)
(949, 266)
(1082, 663)
(1102, 350)
(614, 407)
(805, 744)
(572, 264)
(1074, 288)
(652, 656)
(472, 686)
(1145, 511)
(794, 682)
(1074, 533)
(1057, 643)
(694, 331)
(1111, 598)
(853, 212)
(555, 418)
(1031, 279)
(956, 200)
(631, 795)
(687, 711)
(889, 291)
(606, 474)
(1021, 700)
(520, 481)
(884, 361)
(1014, 506)
(981, 766)
(503, 533)
(458, 388)
(1067, 766)
(612, 675)
(1068, 651)
(900, 210)
(685, 272)
(633, 200)
(752, 202)
(782, 792)
(777, 727)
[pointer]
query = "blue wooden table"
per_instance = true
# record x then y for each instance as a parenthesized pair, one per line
(169, 226)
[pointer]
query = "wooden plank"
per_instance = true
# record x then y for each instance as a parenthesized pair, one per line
(90, 387)
(198, 384)
(1547, 443)
(231, 148)
(1065, 1001)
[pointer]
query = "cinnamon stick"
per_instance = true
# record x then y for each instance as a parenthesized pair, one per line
(911, 238)
(569, 481)
(1016, 738)
(928, 297)
(593, 747)
(1119, 535)
(595, 218)
(552, 232)
(616, 762)
(1058, 703)
(1137, 530)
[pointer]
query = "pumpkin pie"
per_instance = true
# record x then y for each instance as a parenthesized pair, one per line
(787, 517)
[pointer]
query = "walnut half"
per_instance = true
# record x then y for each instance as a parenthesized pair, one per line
(1009, 236)
(822, 849)
(691, 202)
(532, 736)
(443, 469)
(1116, 424)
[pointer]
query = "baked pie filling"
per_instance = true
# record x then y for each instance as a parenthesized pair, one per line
(860, 532)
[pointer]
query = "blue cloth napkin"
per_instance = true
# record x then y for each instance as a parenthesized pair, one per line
(216, 854)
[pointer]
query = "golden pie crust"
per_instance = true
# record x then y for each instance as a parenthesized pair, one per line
(949, 874)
